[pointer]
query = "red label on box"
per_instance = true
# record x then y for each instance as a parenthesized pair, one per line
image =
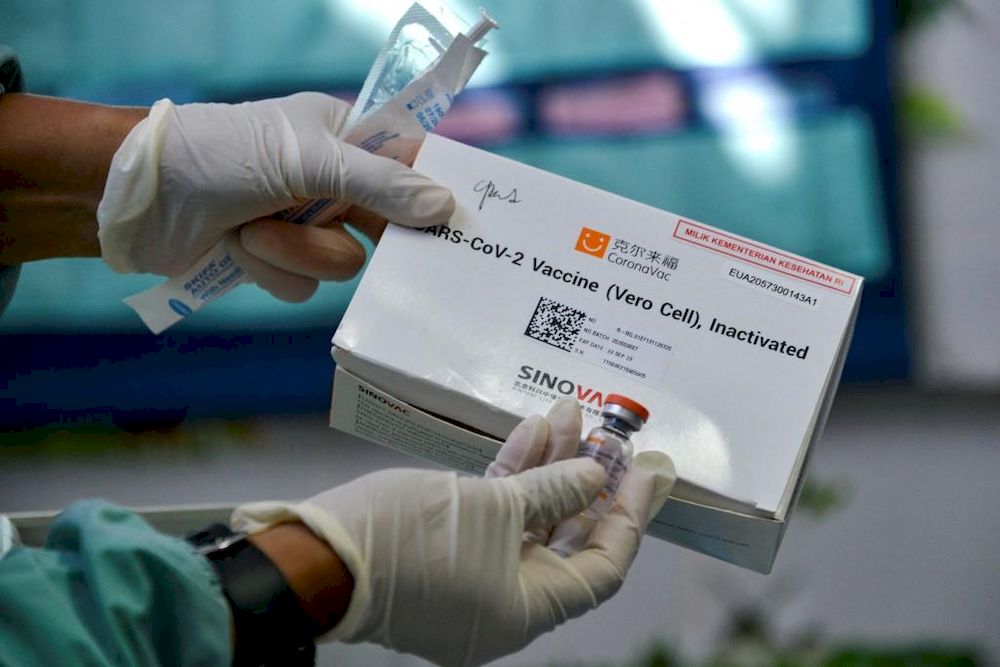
(775, 260)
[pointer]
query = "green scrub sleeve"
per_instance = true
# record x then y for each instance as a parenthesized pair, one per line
(11, 81)
(107, 589)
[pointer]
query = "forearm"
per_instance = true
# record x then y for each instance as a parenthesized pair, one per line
(312, 569)
(54, 160)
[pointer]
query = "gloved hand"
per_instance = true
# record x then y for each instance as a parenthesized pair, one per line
(189, 175)
(441, 563)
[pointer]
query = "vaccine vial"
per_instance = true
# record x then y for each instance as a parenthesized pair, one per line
(609, 445)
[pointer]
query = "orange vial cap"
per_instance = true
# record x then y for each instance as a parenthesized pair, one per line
(638, 408)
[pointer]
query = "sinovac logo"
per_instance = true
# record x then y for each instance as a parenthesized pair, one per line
(569, 388)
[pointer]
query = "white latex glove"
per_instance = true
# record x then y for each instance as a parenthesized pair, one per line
(441, 563)
(189, 175)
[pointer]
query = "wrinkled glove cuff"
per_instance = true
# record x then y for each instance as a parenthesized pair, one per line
(130, 189)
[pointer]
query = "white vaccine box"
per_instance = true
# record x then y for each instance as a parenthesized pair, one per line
(541, 288)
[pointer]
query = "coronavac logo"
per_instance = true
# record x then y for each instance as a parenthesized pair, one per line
(636, 257)
(592, 242)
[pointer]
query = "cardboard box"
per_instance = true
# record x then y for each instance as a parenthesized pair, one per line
(540, 288)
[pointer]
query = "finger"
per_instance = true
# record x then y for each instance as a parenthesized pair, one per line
(337, 111)
(661, 468)
(322, 253)
(281, 284)
(565, 423)
(523, 448)
(370, 224)
(306, 106)
(615, 539)
(554, 492)
(549, 577)
(391, 190)
(557, 441)
(641, 494)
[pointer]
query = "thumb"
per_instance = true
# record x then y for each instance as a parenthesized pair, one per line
(392, 190)
(556, 491)
(658, 472)
(615, 540)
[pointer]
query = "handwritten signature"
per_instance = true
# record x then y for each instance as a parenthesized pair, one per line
(490, 190)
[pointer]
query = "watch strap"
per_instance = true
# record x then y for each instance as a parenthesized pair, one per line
(270, 626)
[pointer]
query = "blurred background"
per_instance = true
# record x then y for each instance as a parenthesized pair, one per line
(860, 133)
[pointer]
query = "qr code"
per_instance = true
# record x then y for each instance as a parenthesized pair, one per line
(556, 324)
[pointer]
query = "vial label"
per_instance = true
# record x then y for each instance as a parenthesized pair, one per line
(614, 467)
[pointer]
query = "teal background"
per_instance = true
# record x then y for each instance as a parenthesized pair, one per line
(783, 132)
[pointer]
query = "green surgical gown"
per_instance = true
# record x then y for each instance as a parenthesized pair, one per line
(107, 589)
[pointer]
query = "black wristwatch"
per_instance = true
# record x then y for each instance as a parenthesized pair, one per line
(271, 627)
